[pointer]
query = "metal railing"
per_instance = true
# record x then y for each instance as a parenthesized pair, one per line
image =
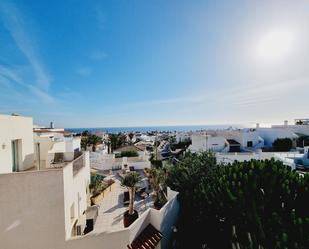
(78, 163)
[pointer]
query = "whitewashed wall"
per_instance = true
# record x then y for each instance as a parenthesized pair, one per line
(11, 128)
(202, 142)
(271, 134)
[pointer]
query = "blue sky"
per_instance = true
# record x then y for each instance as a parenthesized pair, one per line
(135, 63)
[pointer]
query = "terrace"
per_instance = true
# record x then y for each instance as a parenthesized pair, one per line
(77, 164)
(112, 208)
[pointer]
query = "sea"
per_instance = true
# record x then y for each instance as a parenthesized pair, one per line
(144, 129)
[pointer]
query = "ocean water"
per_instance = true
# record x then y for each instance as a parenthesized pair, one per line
(144, 129)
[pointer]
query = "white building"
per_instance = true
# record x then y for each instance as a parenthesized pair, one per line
(295, 160)
(16, 144)
(47, 208)
(183, 136)
(219, 141)
(271, 134)
(103, 161)
(249, 139)
(38, 207)
(54, 146)
(300, 126)
(204, 142)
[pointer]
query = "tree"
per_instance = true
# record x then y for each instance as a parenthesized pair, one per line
(94, 140)
(86, 133)
(113, 138)
(122, 140)
(116, 140)
(84, 143)
(130, 181)
(254, 204)
(157, 179)
(283, 144)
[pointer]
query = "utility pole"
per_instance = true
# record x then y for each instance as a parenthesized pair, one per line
(206, 141)
(156, 147)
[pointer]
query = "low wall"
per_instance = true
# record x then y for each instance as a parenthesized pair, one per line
(163, 220)
(98, 199)
(108, 162)
(242, 156)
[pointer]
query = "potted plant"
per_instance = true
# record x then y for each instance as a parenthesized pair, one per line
(130, 181)
(157, 181)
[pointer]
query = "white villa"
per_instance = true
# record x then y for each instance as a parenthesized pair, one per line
(204, 142)
(247, 139)
(227, 140)
(44, 202)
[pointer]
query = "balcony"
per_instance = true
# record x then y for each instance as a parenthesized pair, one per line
(78, 164)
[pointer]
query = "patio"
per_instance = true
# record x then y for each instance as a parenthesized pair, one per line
(110, 217)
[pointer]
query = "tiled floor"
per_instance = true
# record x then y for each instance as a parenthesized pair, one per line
(111, 210)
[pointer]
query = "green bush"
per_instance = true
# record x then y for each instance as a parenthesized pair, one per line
(97, 185)
(128, 153)
(157, 163)
(255, 204)
(302, 141)
(282, 144)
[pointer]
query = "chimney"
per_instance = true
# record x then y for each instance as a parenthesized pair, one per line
(51, 125)
(257, 125)
(286, 123)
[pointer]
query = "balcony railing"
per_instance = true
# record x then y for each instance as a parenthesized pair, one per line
(78, 163)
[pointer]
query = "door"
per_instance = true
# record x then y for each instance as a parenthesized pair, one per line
(15, 156)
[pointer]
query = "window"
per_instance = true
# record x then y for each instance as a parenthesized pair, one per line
(249, 144)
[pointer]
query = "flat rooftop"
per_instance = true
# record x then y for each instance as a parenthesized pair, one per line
(110, 217)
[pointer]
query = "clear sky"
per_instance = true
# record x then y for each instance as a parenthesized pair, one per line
(155, 62)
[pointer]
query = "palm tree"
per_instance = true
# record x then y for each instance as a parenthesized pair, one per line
(130, 181)
(113, 138)
(94, 140)
(157, 180)
(84, 143)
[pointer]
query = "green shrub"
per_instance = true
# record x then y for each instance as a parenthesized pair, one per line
(97, 185)
(282, 144)
(255, 204)
(128, 153)
(157, 163)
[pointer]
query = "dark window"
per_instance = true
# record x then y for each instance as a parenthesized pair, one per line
(249, 144)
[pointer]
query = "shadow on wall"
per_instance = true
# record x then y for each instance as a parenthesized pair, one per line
(28, 162)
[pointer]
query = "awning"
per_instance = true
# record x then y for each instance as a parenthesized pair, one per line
(148, 239)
